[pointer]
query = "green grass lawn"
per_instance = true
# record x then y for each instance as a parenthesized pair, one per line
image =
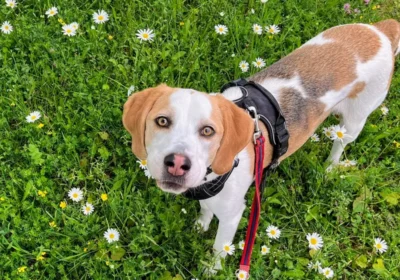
(79, 85)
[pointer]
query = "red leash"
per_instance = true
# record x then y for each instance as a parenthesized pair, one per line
(255, 208)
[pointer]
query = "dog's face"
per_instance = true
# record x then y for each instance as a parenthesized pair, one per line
(182, 131)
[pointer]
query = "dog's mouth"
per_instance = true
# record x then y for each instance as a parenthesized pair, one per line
(170, 186)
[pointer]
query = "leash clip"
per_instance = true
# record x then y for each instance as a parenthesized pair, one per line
(255, 117)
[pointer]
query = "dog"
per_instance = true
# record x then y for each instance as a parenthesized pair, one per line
(345, 70)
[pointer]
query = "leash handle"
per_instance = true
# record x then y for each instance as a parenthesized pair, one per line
(255, 208)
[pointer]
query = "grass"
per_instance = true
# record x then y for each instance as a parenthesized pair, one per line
(79, 85)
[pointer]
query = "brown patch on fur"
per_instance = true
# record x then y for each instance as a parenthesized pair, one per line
(357, 88)
(364, 42)
(391, 28)
(330, 66)
(135, 114)
(237, 133)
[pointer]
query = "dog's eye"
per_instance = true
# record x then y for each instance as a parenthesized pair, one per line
(162, 122)
(207, 131)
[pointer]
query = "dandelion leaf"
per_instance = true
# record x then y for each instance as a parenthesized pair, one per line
(362, 261)
(117, 253)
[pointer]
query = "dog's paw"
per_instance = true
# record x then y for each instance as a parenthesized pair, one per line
(201, 225)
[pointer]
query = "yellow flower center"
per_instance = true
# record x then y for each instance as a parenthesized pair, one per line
(221, 29)
(258, 62)
(69, 30)
(145, 35)
(6, 27)
(227, 248)
(271, 30)
(313, 241)
(264, 250)
(241, 275)
(143, 161)
(112, 235)
(87, 208)
(339, 134)
(52, 12)
(326, 272)
(100, 17)
(273, 232)
(75, 195)
(33, 117)
(379, 246)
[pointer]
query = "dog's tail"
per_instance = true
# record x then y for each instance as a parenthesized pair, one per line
(391, 28)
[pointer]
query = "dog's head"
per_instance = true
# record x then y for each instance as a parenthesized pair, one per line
(182, 131)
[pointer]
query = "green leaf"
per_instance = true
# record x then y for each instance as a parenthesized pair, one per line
(117, 253)
(362, 261)
(178, 55)
(104, 135)
(35, 154)
(296, 273)
(391, 198)
(177, 277)
(379, 265)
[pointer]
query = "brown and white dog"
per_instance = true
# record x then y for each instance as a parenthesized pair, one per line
(345, 70)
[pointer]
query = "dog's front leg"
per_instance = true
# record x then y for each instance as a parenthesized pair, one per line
(228, 223)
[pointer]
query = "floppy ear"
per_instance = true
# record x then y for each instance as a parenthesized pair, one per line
(135, 113)
(238, 132)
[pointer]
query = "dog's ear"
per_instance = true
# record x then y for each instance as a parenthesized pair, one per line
(135, 113)
(238, 132)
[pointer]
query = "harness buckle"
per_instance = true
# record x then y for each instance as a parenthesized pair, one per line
(255, 117)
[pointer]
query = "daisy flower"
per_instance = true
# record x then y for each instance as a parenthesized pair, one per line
(75, 194)
(221, 14)
(273, 29)
(142, 163)
(88, 208)
(264, 1)
(348, 163)
(339, 132)
(259, 63)
(32, 117)
(228, 248)
(252, 11)
(69, 30)
(221, 29)
(6, 27)
(241, 274)
(380, 245)
(257, 29)
(241, 245)
(130, 90)
(145, 35)
(314, 137)
(384, 110)
(329, 131)
(11, 3)
(183, 210)
(100, 17)
(265, 250)
(147, 173)
(75, 25)
(244, 66)
(315, 241)
(51, 12)
(327, 272)
(314, 266)
(111, 235)
(273, 232)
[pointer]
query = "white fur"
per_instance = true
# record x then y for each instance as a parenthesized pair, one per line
(318, 40)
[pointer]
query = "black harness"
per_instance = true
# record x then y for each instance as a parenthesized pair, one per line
(261, 105)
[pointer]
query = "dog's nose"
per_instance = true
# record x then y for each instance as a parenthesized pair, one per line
(177, 165)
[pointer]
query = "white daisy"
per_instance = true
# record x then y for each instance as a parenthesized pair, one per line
(259, 63)
(314, 137)
(329, 132)
(68, 30)
(252, 11)
(273, 29)
(241, 245)
(264, 1)
(184, 211)
(340, 133)
(75, 194)
(11, 3)
(6, 27)
(111, 235)
(347, 163)
(147, 173)
(100, 17)
(142, 163)
(130, 90)
(314, 241)
(265, 250)
(145, 35)
(384, 110)
(273, 232)
(51, 12)
(88, 208)
(32, 117)
(242, 274)
(314, 266)
(380, 245)
(244, 66)
(327, 272)
(257, 29)
(228, 248)
(221, 29)
(75, 25)
(221, 14)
